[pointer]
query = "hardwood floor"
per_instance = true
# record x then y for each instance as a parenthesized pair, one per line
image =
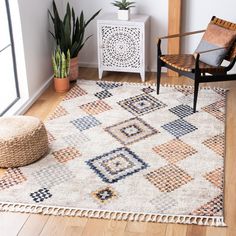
(32, 224)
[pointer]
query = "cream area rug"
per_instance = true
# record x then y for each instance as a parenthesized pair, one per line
(119, 151)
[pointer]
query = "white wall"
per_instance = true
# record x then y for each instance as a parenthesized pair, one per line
(157, 9)
(37, 42)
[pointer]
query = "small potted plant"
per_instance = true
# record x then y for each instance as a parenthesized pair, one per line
(124, 6)
(61, 69)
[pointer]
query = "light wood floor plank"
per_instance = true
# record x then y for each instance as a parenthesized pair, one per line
(34, 225)
(11, 223)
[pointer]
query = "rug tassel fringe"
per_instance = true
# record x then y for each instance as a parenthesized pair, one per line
(101, 214)
(164, 85)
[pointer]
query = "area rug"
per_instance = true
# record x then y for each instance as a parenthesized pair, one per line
(119, 151)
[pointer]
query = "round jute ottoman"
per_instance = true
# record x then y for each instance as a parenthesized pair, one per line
(23, 140)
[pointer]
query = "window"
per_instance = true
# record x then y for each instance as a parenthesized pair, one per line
(9, 90)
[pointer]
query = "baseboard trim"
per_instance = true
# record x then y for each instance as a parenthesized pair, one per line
(33, 98)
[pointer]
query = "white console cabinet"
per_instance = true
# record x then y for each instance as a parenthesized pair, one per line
(123, 45)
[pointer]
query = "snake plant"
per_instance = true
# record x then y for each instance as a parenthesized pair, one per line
(123, 4)
(61, 63)
(69, 32)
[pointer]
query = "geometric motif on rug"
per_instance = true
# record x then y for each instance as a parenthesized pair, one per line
(131, 131)
(116, 165)
(41, 195)
(75, 91)
(216, 177)
(174, 150)
(103, 94)
(76, 139)
(66, 154)
(179, 127)
(11, 177)
(185, 99)
(182, 110)
(215, 109)
(148, 90)
(163, 202)
(59, 112)
(141, 104)
(107, 86)
(51, 138)
(104, 195)
(96, 107)
(186, 90)
(53, 175)
(216, 144)
(168, 178)
(211, 208)
(85, 123)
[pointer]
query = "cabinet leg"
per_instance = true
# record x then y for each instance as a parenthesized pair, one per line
(100, 73)
(142, 74)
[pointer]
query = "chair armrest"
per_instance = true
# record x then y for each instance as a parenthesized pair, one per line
(181, 35)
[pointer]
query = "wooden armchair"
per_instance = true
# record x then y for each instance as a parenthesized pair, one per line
(189, 65)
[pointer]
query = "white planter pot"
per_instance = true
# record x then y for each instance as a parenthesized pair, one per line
(123, 14)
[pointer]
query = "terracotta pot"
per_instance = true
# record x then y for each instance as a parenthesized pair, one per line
(74, 69)
(61, 85)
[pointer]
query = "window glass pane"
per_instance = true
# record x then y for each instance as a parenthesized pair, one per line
(4, 29)
(8, 88)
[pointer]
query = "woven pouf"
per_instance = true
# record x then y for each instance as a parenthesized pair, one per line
(23, 140)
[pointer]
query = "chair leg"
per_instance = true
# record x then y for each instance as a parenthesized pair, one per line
(196, 87)
(158, 75)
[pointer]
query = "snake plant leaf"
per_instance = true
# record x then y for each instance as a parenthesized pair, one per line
(69, 33)
(51, 16)
(74, 49)
(94, 16)
(73, 21)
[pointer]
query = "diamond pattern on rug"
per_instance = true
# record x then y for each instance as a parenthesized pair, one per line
(163, 202)
(116, 165)
(141, 104)
(148, 90)
(11, 177)
(179, 127)
(103, 94)
(59, 112)
(168, 178)
(104, 195)
(107, 86)
(216, 144)
(175, 150)
(131, 131)
(211, 208)
(75, 92)
(53, 175)
(185, 90)
(76, 139)
(182, 110)
(66, 154)
(216, 177)
(96, 107)
(85, 122)
(51, 138)
(215, 110)
(41, 195)
(185, 99)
